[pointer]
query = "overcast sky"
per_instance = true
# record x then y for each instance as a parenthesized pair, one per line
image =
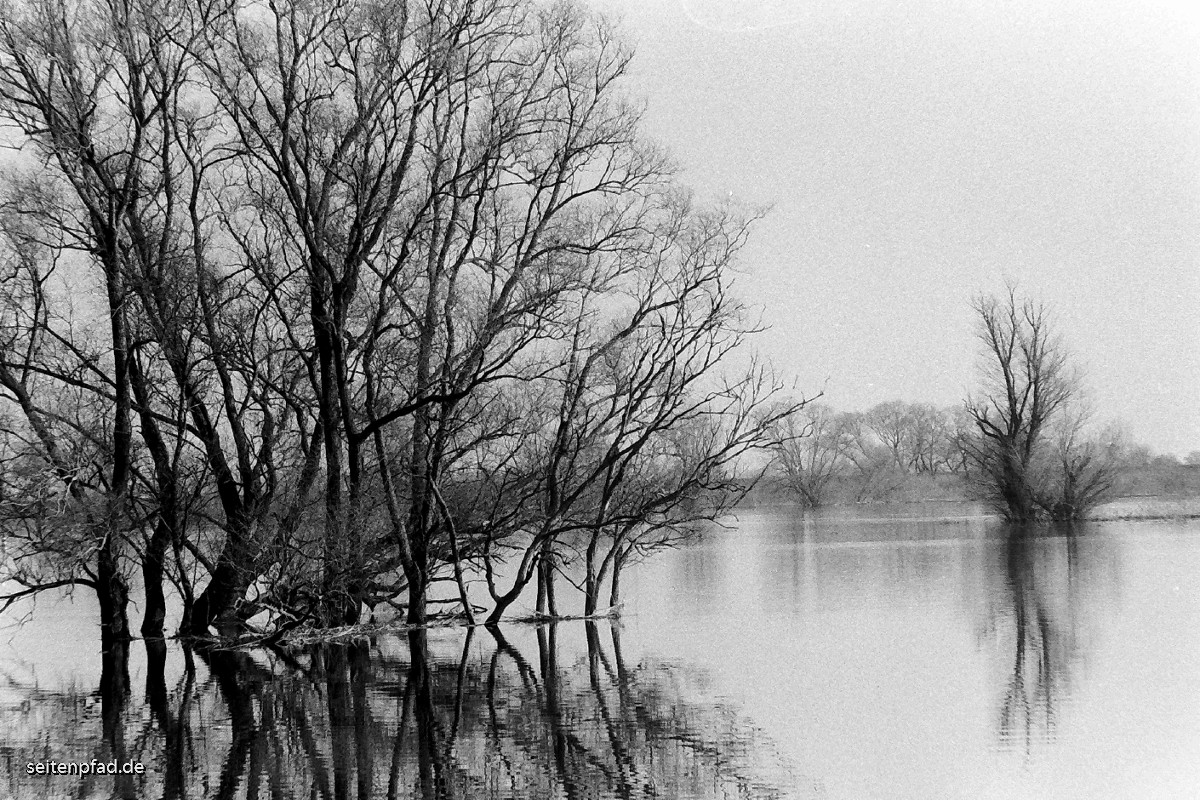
(916, 153)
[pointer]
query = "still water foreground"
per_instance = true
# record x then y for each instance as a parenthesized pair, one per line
(931, 657)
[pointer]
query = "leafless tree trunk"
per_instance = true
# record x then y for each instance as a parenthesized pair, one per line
(1027, 381)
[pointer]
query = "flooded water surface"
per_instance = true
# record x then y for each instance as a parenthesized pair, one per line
(935, 656)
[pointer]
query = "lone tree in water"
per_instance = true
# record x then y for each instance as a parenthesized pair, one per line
(1030, 393)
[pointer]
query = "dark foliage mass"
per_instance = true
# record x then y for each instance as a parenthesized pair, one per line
(306, 306)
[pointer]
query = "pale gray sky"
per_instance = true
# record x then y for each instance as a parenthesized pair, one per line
(918, 151)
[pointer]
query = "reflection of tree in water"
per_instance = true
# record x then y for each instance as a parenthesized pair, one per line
(403, 719)
(1042, 582)
(39, 726)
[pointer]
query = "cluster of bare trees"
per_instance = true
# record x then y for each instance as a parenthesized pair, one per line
(867, 455)
(1035, 452)
(306, 306)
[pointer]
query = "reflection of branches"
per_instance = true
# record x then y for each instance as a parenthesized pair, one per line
(1040, 603)
(645, 734)
(229, 670)
(429, 718)
(1028, 694)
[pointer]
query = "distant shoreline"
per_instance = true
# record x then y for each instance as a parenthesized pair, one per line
(1137, 507)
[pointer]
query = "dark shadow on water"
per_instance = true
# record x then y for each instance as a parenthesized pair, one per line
(502, 713)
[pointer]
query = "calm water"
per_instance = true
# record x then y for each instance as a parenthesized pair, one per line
(829, 658)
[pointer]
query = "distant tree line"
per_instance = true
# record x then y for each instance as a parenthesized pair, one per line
(854, 456)
(1025, 441)
(306, 307)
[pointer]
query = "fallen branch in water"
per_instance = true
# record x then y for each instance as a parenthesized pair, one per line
(363, 630)
(538, 619)
(295, 636)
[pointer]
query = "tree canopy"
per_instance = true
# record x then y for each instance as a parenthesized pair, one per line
(307, 305)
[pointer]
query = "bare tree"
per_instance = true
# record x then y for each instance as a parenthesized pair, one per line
(891, 424)
(329, 238)
(108, 95)
(65, 524)
(696, 474)
(54, 90)
(1079, 466)
(956, 447)
(930, 428)
(433, 182)
(814, 446)
(872, 465)
(918, 435)
(637, 431)
(1027, 381)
